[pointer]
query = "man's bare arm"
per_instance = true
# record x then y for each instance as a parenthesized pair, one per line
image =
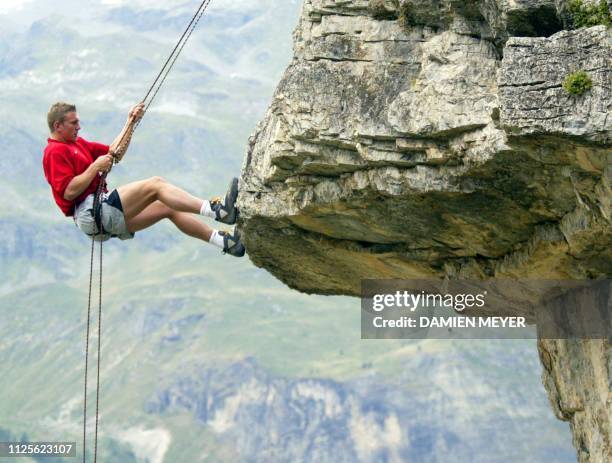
(119, 147)
(80, 183)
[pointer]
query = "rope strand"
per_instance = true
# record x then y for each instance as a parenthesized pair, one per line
(189, 31)
(152, 92)
(164, 72)
(173, 51)
(99, 359)
(87, 347)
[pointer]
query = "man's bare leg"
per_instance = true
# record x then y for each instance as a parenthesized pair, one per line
(149, 201)
(184, 221)
(136, 196)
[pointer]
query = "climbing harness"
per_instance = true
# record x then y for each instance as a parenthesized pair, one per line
(97, 212)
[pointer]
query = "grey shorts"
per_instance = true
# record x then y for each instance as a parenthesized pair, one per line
(113, 221)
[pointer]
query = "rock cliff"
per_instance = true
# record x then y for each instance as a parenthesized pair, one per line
(436, 139)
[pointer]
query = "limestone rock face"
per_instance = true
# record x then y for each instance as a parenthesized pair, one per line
(530, 90)
(577, 374)
(577, 377)
(434, 139)
(419, 152)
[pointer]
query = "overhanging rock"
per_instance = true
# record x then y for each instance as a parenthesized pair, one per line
(394, 154)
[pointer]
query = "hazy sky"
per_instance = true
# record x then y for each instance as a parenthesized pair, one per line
(7, 5)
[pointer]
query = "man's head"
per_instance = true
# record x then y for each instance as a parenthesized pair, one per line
(63, 121)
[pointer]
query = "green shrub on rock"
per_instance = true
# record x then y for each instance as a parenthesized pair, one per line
(577, 83)
(406, 16)
(588, 15)
(384, 9)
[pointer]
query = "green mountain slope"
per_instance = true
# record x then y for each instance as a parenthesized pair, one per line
(204, 357)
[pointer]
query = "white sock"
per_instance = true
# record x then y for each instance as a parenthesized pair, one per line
(206, 210)
(216, 239)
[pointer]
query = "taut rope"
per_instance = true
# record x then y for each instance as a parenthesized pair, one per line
(118, 155)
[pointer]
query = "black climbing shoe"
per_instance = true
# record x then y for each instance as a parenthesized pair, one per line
(232, 244)
(225, 210)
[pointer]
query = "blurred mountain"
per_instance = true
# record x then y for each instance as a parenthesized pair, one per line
(206, 358)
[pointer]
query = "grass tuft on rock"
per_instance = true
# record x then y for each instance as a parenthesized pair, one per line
(577, 83)
(406, 16)
(588, 15)
(384, 9)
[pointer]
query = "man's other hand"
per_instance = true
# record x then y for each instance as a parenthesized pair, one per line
(137, 112)
(103, 163)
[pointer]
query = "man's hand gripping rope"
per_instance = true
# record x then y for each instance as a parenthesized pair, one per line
(120, 146)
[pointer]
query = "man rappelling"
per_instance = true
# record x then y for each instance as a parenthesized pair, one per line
(74, 168)
(77, 169)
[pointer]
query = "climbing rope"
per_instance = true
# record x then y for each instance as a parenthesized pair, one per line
(169, 64)
(87, 346)
(161, 77)
(118, 155)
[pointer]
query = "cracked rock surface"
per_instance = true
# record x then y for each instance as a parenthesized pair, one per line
(417, 153)
(577, 379)
(434, 139)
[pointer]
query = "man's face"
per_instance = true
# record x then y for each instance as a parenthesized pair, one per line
(69, 129)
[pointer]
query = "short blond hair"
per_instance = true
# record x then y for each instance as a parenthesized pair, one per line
(57, 113)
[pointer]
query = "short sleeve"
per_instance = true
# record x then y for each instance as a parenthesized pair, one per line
(96, 149)
(61, 170)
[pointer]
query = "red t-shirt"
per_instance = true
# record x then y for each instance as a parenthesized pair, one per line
(64, 161)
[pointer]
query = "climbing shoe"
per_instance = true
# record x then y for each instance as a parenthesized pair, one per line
(232, 244)
(225, 209)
